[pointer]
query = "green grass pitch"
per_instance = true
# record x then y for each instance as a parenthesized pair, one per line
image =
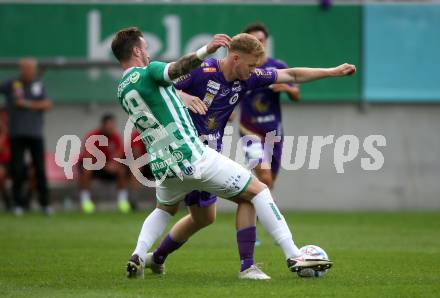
(375, 255)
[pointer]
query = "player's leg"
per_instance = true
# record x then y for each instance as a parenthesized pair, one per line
(85, 178)
(18, 148)
(3, 191)
(246, 238)
(274, 223)
(36, 147)
(228, 179)
(202, 213)
(152, 228)
(168, 194)
(120, 172)
(264, 174)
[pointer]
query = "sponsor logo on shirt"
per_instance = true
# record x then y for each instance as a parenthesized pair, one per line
(189, 170)
(233, 99)
(236, 87)
(182, 78)
(212, 90)
(262, 73)
(209, 69)
(265, 119)
(213, 85)
(208, 99)
(178, 155)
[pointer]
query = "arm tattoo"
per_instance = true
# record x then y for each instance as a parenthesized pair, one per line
(183, 66)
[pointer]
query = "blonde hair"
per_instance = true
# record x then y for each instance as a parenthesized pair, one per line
(247, 44)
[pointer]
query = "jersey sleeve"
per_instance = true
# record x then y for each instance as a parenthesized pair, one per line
(159, 73)
(262, 78)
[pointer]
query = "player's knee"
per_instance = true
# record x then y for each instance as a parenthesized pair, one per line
(255, 187)
(266, 178)
(205, 220)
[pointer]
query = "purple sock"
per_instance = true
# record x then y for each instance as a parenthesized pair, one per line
(167, 246)
(246, 243)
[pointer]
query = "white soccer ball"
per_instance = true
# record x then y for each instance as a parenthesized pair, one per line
(313, 252)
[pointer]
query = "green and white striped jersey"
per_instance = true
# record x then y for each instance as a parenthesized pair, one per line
(149, 98)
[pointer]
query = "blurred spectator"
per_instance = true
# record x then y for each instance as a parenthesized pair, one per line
(5, 156)
(138, 149)
(112, 170)
(26, 101)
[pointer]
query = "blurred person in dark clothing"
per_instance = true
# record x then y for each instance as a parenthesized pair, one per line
(5, 156)
(26, 102)
(112, 170)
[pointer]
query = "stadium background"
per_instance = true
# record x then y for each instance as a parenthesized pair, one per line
(395, 94)
(380, 228)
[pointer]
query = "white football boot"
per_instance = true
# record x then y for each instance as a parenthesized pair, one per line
(135, 267)
(301, 262)
(254, 273)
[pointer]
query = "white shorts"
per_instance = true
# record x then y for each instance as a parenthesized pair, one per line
(213, 173)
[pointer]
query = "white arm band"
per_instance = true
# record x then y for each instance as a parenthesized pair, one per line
(166, 75)
(202, 53)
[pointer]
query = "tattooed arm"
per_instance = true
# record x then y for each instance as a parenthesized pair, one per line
(191, 61)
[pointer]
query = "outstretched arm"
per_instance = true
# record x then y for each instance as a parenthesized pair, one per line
(304, 74)
(191, 61)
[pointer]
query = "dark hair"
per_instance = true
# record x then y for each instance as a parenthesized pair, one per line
(107, 117)
(124, 42)
(256, 27)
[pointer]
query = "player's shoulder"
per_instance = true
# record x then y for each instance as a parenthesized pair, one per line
(209, 66)
(277, 63)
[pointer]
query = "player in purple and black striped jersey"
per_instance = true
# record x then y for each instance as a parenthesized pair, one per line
(216, 87)
(260, 114)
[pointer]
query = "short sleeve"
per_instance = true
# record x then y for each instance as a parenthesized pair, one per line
(262, 78)
(159, 73)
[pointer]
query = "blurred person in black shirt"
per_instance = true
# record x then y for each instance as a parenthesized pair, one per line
(26, 101)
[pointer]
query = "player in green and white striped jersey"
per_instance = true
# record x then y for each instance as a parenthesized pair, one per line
(179, 161)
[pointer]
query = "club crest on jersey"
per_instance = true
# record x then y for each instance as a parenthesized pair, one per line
(134, 77)
(233, 99)
(188, 170)
(236, 87)
(211, 124)
(225, 91)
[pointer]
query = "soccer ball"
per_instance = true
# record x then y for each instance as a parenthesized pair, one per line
(313, 252)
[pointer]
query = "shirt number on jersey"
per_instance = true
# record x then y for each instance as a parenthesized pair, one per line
(143, 118)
